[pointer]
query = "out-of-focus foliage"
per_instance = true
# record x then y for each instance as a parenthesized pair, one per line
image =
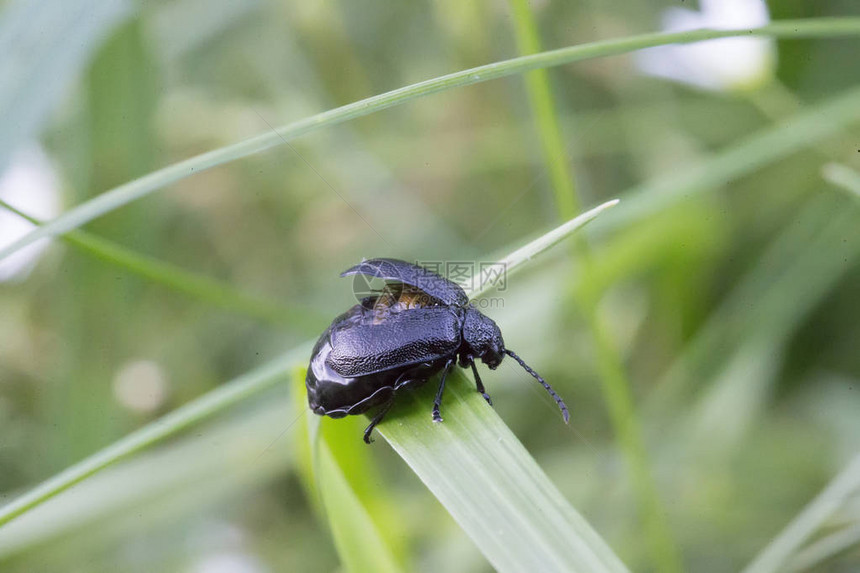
(735, 308)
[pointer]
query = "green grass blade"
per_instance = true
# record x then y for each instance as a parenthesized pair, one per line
(359, 542)
(808, 521)
(545, 115)
(802, 131)
(617, 388)
(361, 475)
(180, 419)
(483, 282)
(303, 439)
(491, 485)
(222, 398)
(198, 286)
(824, 548)
(791, 277)
(157, 487)
(340, 479)
(485, 478)
(203, 288)
(126, 193)
(362, 536)
(757, 347)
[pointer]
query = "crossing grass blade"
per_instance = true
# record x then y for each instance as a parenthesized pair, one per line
(775, 555)
(472, 463)
(157, 488)
(492, 486)
(195, 285)
(187, 416)
(341, 483)
(139, 188)
(484, 476)
(483, 282)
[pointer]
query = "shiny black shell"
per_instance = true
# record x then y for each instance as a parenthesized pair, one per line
(418, 325)
(362, 359)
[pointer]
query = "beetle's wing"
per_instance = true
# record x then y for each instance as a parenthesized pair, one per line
(360, 348)
(396, 270)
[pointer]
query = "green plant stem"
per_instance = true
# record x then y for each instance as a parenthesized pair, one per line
(625, 422)
(128, 192)
(545, 115)
(198, 286)
(180, 419)
(615, 383)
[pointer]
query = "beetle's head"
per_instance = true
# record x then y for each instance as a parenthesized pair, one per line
(483, 338)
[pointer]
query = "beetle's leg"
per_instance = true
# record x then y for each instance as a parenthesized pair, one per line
(437, 417)
(480, 384)
(376, 419)
(465, 359)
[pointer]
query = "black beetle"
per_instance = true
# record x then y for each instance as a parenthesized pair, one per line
(420, 324)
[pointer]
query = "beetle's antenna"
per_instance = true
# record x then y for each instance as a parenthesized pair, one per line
(544, 383)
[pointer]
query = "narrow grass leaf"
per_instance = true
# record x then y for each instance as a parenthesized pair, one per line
(792, 276)
(825, 548)
(485, 478)
(155, 488)
(302, 438)
(491, 485)
(359, 542)
(776, 554)
(808, 128)
(483, 282)
(339, 478)
(198, 286)
(180, 419)
(126, 193)
(615, 382)
(363, 477)
(545, 115)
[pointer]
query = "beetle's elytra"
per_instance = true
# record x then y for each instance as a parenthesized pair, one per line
(419, 325)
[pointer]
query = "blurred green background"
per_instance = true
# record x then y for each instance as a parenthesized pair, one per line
(736, 306)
